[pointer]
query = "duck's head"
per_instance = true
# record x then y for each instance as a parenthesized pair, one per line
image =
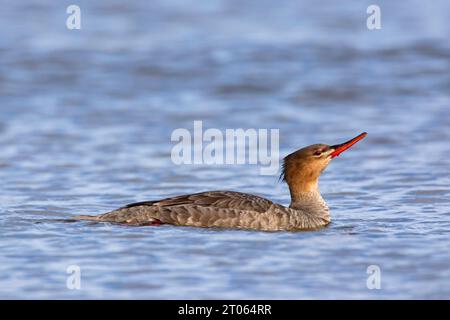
(302, 168)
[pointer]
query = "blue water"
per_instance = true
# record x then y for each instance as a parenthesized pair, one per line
(85, 124)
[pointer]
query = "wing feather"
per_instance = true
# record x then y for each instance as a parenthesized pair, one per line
(217, 199)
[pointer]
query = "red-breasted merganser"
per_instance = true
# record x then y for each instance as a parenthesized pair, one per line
(229, 209)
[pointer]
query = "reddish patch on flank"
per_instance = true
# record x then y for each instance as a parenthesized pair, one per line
(156, 222)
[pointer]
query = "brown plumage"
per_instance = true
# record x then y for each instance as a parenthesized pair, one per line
(229, 209)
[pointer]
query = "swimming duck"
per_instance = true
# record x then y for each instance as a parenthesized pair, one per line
(229, 209)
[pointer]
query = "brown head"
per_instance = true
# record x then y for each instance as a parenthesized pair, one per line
(302, 168)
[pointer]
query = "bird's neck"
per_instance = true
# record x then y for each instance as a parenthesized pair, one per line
(309, 200)
(301, 188)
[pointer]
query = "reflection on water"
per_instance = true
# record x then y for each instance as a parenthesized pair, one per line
(85, 125)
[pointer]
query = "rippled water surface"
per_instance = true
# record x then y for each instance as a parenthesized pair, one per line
(85, 124)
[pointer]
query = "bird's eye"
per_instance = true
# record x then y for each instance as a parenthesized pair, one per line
(317, 153)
